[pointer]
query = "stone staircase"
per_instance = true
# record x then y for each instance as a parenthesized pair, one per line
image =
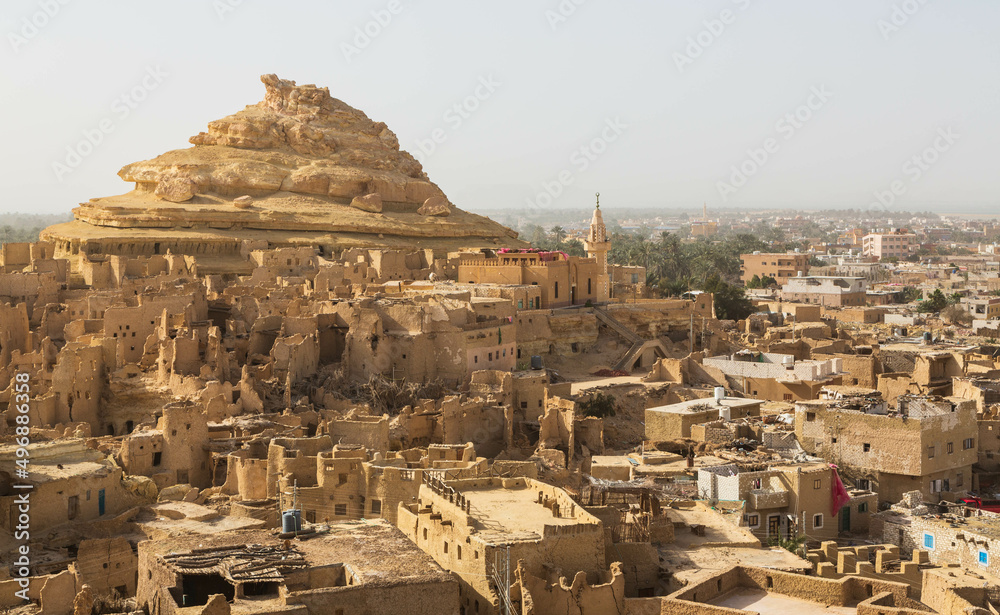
(638, 344)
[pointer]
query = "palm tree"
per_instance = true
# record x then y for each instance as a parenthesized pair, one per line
(795, 545)
(558, 234)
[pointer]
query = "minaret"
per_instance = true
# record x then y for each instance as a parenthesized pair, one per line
(597, 246)
(704, 212)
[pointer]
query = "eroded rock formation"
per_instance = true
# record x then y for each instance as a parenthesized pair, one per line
(298, 168)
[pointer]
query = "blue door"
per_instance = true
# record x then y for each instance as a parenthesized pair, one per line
(100, 502)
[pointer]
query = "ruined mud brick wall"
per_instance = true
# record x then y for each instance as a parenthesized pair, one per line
(540, 597)
(772, 389)
(445, 531)
(141, 454)
(15, 332)
(294, 456)
(555, 429)
(426, 343)
(986, 393)
(949, 596)
(295, 357)
(34, 290)
(521, 297)
(336, 494)
(861, 370)
(127, 329)
(488, 425)
(589, 432)
(526, 392)
(717, 433)
(897, 361)
(69, 494)
(393, 486)
(246, 476)
(14, 257)
(185, 436)
(406, 595)
(895, 385)
(372, 432)
(543, 332)
(658, 318)
(79, 381)
(948, 545)
(107, 564)
(870, 593)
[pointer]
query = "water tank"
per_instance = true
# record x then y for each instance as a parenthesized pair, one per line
(726, 413)
(720, 394)
(536, 361)
(927, 337)
(788, 362)
(291, 521)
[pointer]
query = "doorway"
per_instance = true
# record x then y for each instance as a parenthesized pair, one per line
(845, 519)
(774, 526)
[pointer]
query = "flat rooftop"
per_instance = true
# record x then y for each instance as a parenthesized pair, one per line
(516, 510)
(694, 406)
(692, 558)
(364, 546)
(775, 604)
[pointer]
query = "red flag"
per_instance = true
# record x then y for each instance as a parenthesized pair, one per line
(839, 495)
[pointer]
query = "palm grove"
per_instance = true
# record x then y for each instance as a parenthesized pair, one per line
(673, 266)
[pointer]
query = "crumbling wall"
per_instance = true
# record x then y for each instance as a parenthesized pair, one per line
(107, 564)
(541, 597)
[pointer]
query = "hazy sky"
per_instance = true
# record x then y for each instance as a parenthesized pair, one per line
(655, 104)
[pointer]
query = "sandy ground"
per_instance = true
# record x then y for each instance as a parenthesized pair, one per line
(775, 604)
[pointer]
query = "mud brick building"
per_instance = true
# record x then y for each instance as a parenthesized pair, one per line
(919, 443)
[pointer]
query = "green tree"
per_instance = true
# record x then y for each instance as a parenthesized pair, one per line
(600, 405)
(957, 315)
(574, 247)
(933, 304)
(910, 294)
(539, 238)
(731, 302)
(795, 545)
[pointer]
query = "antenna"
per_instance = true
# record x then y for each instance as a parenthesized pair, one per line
(500, 575)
